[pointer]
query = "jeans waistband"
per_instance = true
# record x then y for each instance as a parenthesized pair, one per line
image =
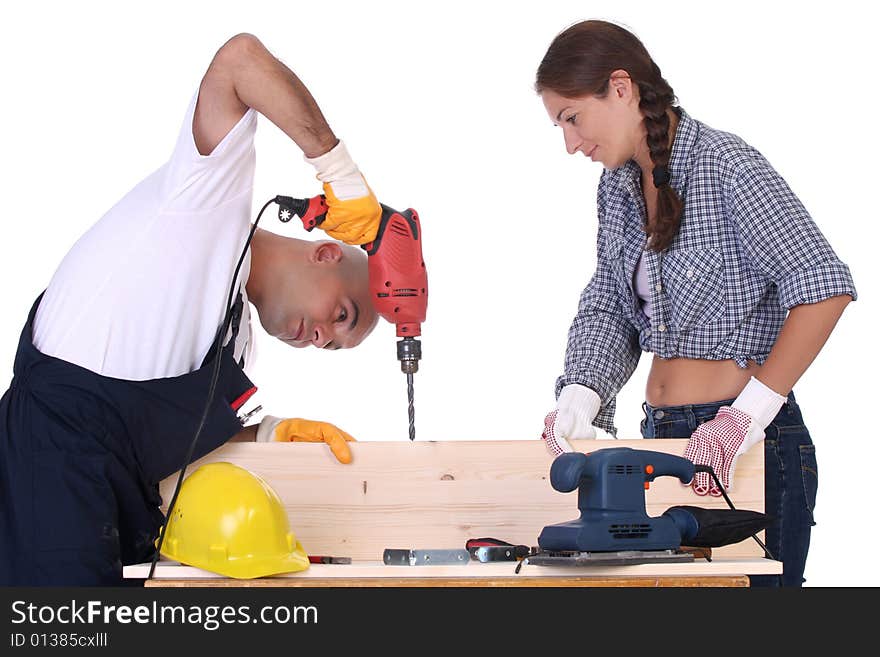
(693, 410)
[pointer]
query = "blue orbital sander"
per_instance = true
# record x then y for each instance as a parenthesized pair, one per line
(614, 527)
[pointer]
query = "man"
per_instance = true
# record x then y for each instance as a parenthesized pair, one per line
(116, 359)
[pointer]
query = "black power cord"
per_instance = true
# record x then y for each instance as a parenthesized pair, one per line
(218, 346)
(708, 468)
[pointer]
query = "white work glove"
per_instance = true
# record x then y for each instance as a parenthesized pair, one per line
(731, 433)
(572, 419)
(353, 212)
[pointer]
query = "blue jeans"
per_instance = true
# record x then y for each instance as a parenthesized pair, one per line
(791, 477)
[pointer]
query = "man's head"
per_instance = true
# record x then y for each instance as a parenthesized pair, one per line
(311, 293)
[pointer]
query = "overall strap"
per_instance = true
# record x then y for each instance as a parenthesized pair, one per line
(235, 311)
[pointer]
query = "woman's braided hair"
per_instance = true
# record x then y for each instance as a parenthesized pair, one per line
(579, 62)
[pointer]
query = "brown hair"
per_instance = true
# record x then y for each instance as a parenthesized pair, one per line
(579, 62)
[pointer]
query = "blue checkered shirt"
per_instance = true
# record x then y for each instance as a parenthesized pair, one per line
(746, 252)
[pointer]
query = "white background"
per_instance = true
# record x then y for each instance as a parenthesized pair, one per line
(436, 104)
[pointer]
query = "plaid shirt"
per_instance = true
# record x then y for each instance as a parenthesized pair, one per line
(745, 253)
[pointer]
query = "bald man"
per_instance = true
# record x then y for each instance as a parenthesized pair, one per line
(117, 356)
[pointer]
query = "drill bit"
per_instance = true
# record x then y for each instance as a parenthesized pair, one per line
(411, 408)
(409, 351)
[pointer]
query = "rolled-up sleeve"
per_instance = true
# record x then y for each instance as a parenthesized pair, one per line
(782, 240)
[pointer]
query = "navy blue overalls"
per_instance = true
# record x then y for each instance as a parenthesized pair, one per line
(81, 456)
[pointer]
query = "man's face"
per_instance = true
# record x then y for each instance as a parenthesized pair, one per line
(325, 304)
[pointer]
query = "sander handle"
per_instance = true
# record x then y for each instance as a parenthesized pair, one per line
(570, 468)
(660, 464)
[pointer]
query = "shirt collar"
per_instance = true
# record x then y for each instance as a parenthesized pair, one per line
(686, 134)
(682, 146)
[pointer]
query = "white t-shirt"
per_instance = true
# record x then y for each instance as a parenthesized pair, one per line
(142, 294)
(640, 283)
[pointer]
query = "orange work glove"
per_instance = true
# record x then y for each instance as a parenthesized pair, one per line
(353, 212)
(294, 430)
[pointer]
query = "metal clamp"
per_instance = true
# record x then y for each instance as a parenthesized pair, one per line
(393, 557)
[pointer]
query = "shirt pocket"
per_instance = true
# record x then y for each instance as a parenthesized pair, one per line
(694, 283)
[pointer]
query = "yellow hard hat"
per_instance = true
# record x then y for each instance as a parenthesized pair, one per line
(229, 521)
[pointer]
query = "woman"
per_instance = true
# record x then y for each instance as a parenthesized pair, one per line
(706, 258)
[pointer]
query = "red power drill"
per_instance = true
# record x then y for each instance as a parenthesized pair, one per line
(398, 278)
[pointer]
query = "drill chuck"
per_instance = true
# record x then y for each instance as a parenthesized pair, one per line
(409, 352)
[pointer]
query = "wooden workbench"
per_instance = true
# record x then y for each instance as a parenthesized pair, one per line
(718, 572)
(432, 495)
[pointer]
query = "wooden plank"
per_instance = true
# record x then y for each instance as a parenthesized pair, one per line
(439, 494)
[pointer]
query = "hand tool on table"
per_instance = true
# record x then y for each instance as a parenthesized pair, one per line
(614, 527)
(493, 549)
(318, 558)
(398, 278)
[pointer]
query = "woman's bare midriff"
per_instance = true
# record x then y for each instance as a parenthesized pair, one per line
(678, 381)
